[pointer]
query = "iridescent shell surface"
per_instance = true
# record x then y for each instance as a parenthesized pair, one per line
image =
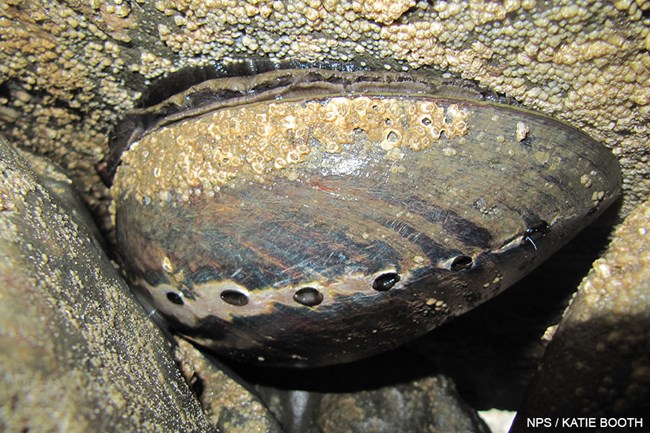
(309, 217)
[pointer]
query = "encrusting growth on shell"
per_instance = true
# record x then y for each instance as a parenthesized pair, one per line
(205, 154)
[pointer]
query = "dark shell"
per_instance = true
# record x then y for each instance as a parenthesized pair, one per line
(309, 217)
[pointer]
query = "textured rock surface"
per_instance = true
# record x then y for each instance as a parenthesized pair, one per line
(230, 406)
(69, 69)
(77, 353)
(425, 405)
(430, 404)
(598, 363)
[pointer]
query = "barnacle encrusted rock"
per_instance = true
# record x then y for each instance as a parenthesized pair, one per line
(67, 73)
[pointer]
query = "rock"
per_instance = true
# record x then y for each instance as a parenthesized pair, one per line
(54, 179)
(392, 392)
(229, 404)
(425, 405)
(431, 404)
(598, 362)
(77, 353)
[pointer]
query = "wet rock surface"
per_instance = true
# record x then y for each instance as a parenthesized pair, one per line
(227, 401)
(77, 353)
(395, 391)
(427, 405)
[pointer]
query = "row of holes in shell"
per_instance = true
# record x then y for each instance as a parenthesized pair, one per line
(311, 297)
(308, 296)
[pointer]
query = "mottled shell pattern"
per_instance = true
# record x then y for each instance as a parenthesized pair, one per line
(310, 216)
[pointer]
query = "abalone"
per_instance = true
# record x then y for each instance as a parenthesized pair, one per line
(309, 216)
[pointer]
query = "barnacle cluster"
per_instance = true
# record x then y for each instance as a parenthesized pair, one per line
(201, 155)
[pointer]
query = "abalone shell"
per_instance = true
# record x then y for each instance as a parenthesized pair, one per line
(310, 217)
